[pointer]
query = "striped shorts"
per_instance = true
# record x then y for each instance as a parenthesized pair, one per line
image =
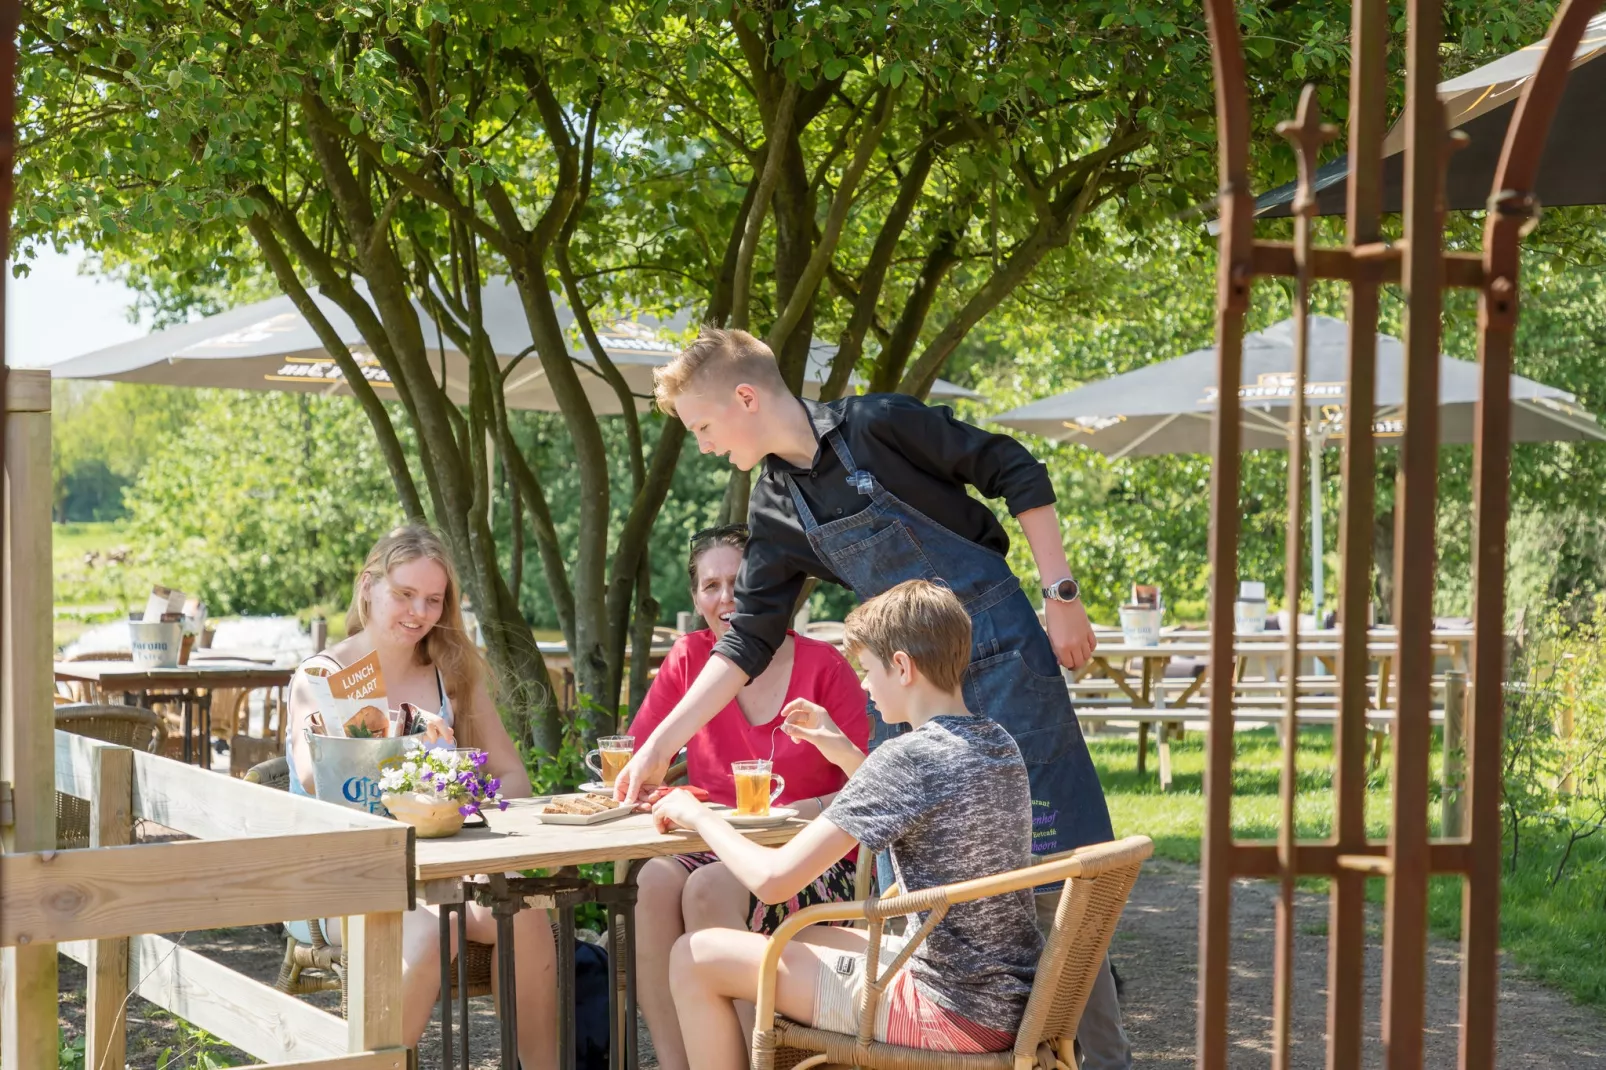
(904, 1016)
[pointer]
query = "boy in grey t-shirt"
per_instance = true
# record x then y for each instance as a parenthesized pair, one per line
(951, 801)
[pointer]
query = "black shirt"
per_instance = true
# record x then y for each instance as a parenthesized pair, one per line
(919, 453)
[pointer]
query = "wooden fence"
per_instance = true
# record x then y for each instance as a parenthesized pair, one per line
(258, 856)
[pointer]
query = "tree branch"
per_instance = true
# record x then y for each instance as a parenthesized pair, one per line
(825, 248)
(774, 150)
(385, 431)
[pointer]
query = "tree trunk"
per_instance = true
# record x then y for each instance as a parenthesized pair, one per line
(1383, 564)
(733, 509)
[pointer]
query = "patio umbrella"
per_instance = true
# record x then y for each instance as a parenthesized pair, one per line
(1481, 102)
(269, 345)
(1169, 407)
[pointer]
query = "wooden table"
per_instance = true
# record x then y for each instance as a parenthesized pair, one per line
(192, 683)
(516, 840)
(1143, 687)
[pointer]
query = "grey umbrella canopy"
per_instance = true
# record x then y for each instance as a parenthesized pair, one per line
(269, 345)
(1168, 407)
(1481, 103)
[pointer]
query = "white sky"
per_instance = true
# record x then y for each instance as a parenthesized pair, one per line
(55, 313)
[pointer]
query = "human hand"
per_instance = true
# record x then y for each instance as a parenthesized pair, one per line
(436, 730)
(1070, 633)
(810, 721)
(678, 809)
(644, 770)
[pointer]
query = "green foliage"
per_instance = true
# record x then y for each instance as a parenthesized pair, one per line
(1555, 751)
(70, 1055)
(198, 1050)
(265, 503)
(101, 437)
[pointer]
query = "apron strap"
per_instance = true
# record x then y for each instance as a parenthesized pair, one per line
(858, 479)
(805, 516)
(840, 445)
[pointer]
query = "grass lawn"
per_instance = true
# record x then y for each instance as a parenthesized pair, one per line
(1557, 933)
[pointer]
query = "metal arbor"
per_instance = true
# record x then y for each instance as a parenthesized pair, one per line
(1408, 857)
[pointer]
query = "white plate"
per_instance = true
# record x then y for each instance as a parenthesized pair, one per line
(598, 818)
(778, 815)
(595, 787)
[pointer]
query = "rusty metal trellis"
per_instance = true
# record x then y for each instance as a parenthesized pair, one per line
(1408, 857)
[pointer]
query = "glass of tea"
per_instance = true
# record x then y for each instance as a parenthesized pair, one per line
(757, 785)
(610, 756)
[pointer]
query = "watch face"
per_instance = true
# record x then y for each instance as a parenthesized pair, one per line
(1065, 590)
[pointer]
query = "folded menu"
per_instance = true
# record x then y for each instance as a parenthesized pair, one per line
(352, 700)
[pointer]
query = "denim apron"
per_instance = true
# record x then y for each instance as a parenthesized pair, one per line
(1014, 677)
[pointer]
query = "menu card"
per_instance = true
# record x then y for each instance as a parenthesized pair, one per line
(352, 700)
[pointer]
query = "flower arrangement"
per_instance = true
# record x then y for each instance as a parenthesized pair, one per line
(445, 776)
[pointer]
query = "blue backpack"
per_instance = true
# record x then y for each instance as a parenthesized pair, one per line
(592, 980)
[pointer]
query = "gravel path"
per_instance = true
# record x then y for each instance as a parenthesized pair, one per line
(1156, 951)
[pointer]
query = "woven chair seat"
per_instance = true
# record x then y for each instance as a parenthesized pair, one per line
(125, 726)
(1097, 879)
(802, 1042)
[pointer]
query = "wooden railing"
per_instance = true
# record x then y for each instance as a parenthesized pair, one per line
(258, 856)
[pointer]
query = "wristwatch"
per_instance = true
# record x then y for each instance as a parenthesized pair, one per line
(1066, 590)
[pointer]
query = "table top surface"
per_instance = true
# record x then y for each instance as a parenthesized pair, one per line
(208, 673)
(517, 840)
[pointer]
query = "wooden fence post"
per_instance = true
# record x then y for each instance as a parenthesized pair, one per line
(373, 981)
(27, 720)
(1452, 799)
(111, 824)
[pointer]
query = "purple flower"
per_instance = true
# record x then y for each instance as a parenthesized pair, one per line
(501, 804)
(479, 758)
(493, 785)
(468, 809)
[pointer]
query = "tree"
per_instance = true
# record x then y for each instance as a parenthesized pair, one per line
(277, 527)
(101, 438)
(883, 176)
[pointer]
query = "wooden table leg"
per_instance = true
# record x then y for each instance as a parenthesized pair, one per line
(1165, 756)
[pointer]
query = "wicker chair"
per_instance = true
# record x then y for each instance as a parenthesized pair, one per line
(1097, 879)
(83, 690)
(320, 966)
(126, 726)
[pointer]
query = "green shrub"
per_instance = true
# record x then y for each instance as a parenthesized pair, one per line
(265, 503)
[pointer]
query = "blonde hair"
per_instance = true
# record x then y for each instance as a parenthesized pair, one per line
(925, 620)
(446, 646)
(718, 358)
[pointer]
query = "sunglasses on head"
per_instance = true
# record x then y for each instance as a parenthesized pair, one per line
(723, 531)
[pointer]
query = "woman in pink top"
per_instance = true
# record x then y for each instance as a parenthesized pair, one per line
(691, 892)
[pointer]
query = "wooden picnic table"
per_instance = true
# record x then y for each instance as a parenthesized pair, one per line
(192, 684)
(516, 840)
(1145, 691)
(1456, 642)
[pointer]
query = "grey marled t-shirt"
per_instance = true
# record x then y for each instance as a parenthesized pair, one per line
(951, 800)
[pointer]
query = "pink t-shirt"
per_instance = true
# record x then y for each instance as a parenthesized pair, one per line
(819, 674)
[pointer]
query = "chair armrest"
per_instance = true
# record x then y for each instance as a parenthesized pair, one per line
(819, 914)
